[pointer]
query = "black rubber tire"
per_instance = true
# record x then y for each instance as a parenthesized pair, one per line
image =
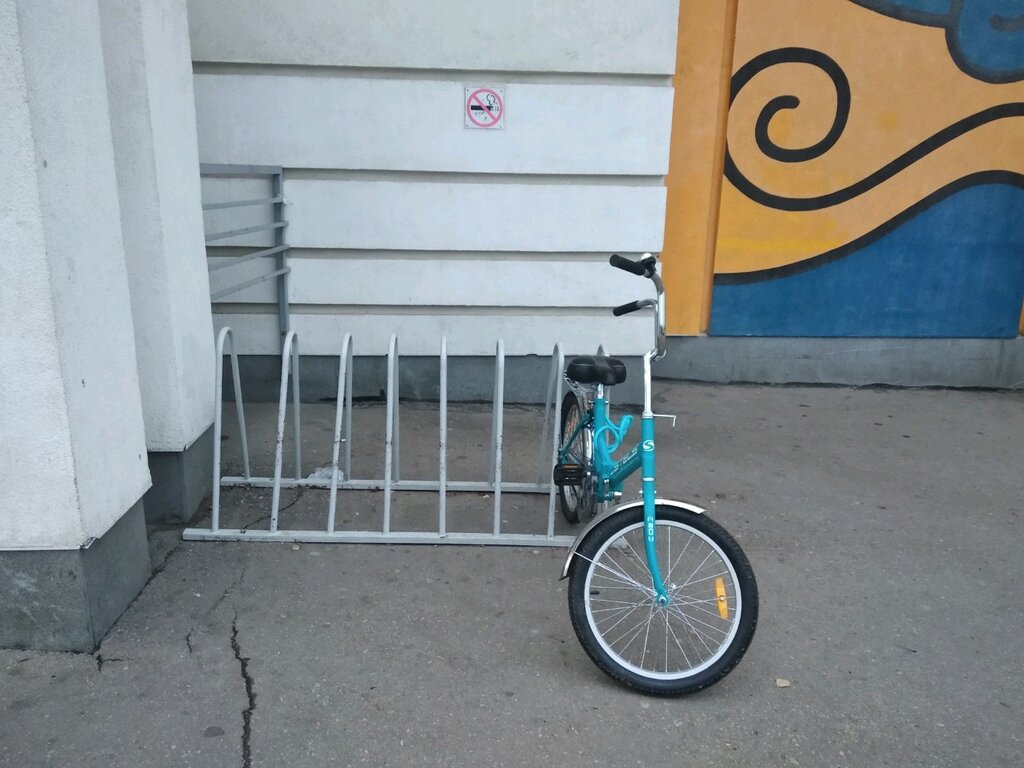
(747, 587)
(586, 504)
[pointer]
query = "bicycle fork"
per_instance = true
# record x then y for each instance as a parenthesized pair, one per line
(647, 474)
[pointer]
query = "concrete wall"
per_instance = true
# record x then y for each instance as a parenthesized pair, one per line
(402, 220)
(74, 454)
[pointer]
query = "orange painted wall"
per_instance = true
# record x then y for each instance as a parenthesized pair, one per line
(906, 89)
(703, 68)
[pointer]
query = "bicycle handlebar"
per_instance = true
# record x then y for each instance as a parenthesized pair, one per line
(636, 267)
(646, 267)
(625, 309)
(632, 306)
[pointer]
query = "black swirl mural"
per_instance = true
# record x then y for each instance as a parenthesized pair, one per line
(843, 98)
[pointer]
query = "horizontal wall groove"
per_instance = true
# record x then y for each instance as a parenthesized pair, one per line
(464, 177)
(433, 310)
(511, 77)
(362, 254)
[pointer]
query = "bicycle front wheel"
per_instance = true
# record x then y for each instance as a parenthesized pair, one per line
(687, 645)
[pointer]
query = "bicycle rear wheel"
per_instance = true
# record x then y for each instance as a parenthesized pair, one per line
(577, 502)
(691, 643)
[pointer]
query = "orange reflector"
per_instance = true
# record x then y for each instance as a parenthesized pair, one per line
(723, 606)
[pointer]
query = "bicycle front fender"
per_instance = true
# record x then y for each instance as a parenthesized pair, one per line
(628, 505)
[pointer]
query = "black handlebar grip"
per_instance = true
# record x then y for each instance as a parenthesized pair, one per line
(625, 309)
(636, 267)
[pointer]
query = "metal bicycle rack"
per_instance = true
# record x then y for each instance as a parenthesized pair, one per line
(339, 477)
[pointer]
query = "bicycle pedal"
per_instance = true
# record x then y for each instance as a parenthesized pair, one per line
(568, 474)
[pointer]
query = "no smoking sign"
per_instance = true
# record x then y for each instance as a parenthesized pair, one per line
(485, 107)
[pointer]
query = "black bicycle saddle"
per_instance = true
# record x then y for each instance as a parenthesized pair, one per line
(595, 369)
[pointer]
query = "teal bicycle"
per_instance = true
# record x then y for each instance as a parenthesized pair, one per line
(661, 597)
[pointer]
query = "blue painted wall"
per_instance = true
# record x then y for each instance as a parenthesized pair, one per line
(955, 269)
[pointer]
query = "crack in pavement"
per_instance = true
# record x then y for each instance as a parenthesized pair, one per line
(101, 660)
(163, 564)
(251, 523)
(298, 497)
(243, 663)
(97, 655)
(227, 591)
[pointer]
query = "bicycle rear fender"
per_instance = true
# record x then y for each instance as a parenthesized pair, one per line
(628, 505)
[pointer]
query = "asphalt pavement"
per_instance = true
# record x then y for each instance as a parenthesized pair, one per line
(884, 526)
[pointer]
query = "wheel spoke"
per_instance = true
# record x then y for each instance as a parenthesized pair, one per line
(688, 620)
(689, 601)
(613, 626)
(682, 607)
(647, 634)
(665, 613)
(622, 573)
(706, 558)
(597, 599)
(627, 613)
(623, 570)
(641, 560)
(622, 577)
(618, 609)
(668, 574)
(634, 632)
(679, 645)
(698, 581)
(617, 612)
(615, 604)
(698, 635)
(698, 607)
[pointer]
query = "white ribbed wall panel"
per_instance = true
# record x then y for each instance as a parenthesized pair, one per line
(404, 221)
(523, 35)
(476, 217)
(418, 125)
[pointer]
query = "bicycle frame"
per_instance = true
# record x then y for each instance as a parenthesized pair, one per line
(610, 474)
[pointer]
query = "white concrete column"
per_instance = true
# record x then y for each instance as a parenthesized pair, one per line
(152, 114)
(73, 449)
(73, 466)
(35, 438)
